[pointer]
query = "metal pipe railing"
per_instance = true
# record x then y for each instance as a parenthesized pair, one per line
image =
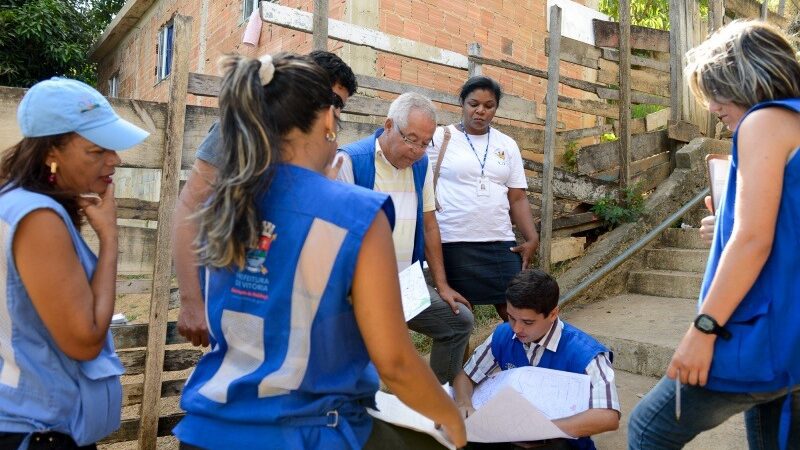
(630, 251)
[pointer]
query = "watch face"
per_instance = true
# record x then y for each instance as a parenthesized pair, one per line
(705, 324)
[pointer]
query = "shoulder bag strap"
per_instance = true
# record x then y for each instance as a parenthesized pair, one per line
(438, 166)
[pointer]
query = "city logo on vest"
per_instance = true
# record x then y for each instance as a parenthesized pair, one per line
(510, 366)
(257, 256)
(501, 157)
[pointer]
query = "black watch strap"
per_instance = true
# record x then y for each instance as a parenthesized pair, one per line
(708, 325)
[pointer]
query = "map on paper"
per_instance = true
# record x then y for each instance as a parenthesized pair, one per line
(520, 404)
(390, 409)
(414, 291)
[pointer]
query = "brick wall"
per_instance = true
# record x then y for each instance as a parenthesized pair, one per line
(506, 29)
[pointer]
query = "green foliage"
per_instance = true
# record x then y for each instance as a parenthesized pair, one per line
(608, 137)
(616, 211)
(641, 111)
(646, 13)
(571, 156)
(44, 38)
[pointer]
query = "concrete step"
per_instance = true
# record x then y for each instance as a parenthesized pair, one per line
(680, 238)
(641, 330)
(631, 388)
(694, 216)
(680, 259)
(665, 283)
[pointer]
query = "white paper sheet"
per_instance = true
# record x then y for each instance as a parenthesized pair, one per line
(718, 169)
(392, 410)
(519, 404)
(509, 417)
(414, 291)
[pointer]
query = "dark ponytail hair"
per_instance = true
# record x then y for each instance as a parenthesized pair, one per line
(254, 119)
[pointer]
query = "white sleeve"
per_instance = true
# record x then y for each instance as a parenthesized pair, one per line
(346, 172)
(482, 362)
(516, 172)
(603, 394)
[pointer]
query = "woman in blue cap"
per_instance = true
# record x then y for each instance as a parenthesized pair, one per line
(59, 375)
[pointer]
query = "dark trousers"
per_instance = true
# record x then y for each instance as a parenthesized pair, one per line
(384, 436)
(42, 441)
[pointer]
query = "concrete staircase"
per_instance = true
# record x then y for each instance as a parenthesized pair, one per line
(644, 326)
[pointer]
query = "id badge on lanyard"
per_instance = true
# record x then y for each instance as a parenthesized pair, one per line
(484, 185)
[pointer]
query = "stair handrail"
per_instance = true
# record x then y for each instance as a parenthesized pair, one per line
(630, 251)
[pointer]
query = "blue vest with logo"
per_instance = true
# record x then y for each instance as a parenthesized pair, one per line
(288, 367)
(763, 353)
(575, 351)
(41, 388)
(362, 154)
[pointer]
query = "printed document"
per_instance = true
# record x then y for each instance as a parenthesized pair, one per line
(520, 404)
(414, 291)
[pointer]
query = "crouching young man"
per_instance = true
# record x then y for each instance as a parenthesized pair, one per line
(535, 336)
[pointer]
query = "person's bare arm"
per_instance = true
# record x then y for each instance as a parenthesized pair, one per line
(75, 310)
(463, 387)
(191, 319)
(378, 311)
(589, 422)
(522, 217)
(433, 254)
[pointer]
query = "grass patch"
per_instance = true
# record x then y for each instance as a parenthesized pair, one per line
(485, 316)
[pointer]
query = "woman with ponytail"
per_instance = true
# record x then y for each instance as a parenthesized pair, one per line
(294, 357)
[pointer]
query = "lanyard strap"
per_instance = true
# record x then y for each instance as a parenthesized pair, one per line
(486, 152)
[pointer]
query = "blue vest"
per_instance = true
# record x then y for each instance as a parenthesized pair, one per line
(575, 351)
(41, 388)
(362, 154)
(764, 351)
(288, 367)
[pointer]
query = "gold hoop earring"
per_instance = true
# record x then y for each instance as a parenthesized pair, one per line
(53, 168)
(330, 136)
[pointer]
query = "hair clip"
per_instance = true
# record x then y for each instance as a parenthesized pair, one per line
(267, 70)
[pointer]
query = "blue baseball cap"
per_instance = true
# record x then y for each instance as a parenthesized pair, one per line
(62, 105)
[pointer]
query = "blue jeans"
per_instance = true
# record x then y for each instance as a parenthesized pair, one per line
(652, 424)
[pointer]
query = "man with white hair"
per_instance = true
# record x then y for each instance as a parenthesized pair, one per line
(393, 160)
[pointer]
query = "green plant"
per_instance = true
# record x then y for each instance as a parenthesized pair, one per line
(608, 137)
(626, 208)
(571, 156)
(641, 111)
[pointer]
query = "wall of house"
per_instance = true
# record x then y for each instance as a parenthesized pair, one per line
(506, 29)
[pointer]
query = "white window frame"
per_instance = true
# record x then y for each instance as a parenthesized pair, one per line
(165, 51)
(248, 6)
(113, 85)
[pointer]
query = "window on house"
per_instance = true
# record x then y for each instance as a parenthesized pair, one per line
(248, 6)
(164, 65)
(113, 85)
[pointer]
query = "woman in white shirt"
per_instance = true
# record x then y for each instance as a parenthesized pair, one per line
(480, 192)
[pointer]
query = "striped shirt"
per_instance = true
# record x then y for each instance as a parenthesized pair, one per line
(603, 392)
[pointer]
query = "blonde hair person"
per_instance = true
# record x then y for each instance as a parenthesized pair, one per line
(284, 247)
(742, 352)
(59, 375)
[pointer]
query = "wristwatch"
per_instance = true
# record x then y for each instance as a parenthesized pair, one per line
(706, 324)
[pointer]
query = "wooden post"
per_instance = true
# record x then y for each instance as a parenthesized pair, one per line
(162, 266)
(320, 33)
(781, 7)
(676, 20)
(474, 68)
(764, 10)
(551, 123)
(624, 94)
(717, 11)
